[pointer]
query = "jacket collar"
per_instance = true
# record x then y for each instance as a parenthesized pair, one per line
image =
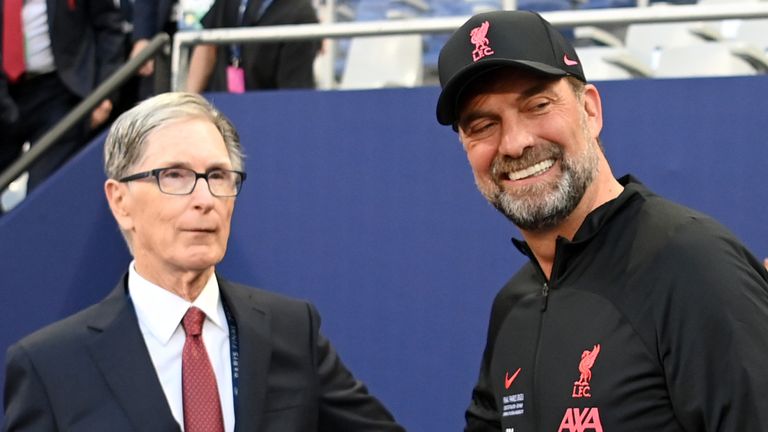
(255, 351)
(599, 217)
(118, 349)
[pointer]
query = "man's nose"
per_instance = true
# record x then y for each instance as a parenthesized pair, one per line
(515, 138)
(201, 194)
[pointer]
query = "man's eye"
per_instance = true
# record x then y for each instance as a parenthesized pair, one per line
(481, 127)
(173, 174)
(217, 175)
(540, 105)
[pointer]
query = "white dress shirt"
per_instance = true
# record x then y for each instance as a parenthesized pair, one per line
(38, 54)
(159, 312)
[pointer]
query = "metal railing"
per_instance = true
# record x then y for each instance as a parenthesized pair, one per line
(183, 41)
(83, 109)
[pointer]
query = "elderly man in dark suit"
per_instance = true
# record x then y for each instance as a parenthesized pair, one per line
(53, 55)
(175, 344)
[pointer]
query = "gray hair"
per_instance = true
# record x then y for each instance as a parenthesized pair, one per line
(127, 137)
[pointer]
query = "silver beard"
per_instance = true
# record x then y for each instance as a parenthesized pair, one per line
(542, 206)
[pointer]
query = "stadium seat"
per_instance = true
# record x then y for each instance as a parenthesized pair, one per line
(648, 41)
(591, 35)
(611, 63)
(753, 31)
(704, 59)
(384, 61)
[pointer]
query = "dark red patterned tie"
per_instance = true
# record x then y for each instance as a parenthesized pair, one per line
(13, 40)
(202, 408)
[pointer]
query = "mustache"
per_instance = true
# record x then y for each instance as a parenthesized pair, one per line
(502, 165)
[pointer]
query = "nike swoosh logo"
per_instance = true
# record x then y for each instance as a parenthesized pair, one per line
(509, 379)
(568, 61)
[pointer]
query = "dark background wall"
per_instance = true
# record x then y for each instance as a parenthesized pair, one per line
(361, 203)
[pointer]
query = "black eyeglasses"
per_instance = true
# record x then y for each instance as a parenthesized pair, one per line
(182, 181)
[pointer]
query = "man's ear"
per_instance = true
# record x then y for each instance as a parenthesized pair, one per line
(119, 200)
(461, 141)
(594, 108)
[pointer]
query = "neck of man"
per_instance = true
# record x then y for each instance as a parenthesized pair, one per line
(543, 242)
(187, 284)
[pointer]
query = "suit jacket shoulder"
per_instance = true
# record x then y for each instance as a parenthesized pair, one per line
(86, 57)
(90, 371)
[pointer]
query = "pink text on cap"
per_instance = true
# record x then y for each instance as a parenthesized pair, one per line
(478, 37)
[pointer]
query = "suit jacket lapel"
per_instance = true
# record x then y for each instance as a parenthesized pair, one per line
(253, 330)
(118, 350)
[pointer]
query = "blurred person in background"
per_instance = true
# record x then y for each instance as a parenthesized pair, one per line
(148, 18)
(255, 66)
(54, 54)
(142, 21)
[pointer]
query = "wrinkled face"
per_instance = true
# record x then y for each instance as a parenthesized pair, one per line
(532, 145)
(175, 233)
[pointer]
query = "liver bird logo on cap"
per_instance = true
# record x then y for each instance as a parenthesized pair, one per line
(478, 36)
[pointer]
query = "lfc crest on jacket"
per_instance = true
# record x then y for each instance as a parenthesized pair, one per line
(581, 387)
(583, 419)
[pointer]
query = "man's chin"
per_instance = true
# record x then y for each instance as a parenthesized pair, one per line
(530, 213)
(201, 261)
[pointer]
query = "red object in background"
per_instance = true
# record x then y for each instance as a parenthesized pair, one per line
(13, 40)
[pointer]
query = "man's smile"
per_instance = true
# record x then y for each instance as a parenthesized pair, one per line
(532, 170)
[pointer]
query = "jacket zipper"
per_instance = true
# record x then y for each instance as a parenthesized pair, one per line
(545, 288)
(534, 386)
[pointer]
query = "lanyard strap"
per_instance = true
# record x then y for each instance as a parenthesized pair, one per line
(234, 353)
(236, 49)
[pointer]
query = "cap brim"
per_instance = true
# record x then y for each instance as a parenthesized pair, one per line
(448, 100)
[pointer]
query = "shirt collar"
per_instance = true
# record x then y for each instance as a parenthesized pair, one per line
(161, 311)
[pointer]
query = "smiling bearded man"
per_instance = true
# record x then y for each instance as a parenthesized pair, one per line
(620, 316)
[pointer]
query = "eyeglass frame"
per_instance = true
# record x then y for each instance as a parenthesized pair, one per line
(155, 173)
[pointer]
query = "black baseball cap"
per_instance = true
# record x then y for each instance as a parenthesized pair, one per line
(501, 38)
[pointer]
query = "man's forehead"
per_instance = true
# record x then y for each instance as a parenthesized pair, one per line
(178, 140)
(179, 123)
(509, 80)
